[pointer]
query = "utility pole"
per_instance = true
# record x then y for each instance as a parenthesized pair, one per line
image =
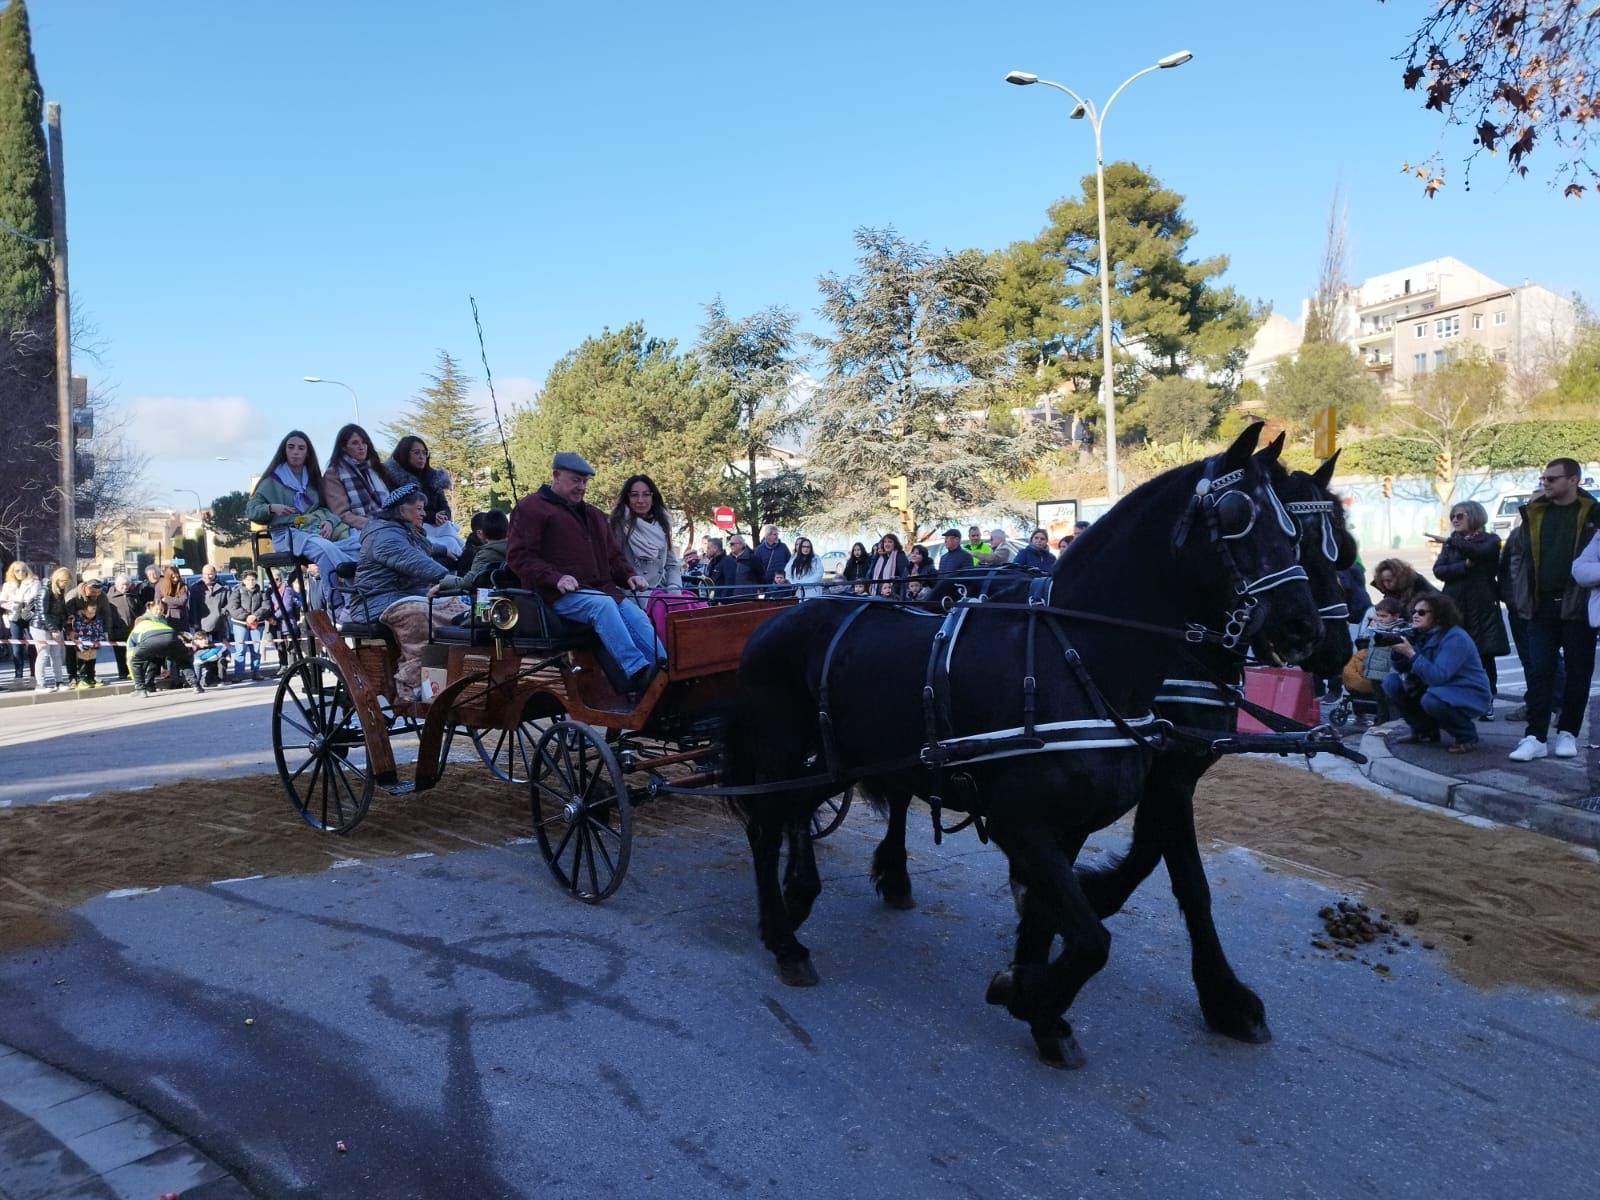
(58, 222)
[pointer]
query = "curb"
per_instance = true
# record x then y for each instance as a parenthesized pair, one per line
(61, 1135)
(25, 697)
(1474, 799)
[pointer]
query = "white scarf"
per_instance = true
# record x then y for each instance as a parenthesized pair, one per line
(647, 543)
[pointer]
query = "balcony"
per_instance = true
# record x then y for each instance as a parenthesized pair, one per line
(1373, 361)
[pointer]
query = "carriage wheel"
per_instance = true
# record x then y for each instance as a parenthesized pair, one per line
(314, 726)
(580, 810)
(509, 753)
(829, 815)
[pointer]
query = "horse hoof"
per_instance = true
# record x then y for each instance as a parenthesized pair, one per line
(1058, 1048)
(1000, 990)
(1241, 1017)
(903, 903)
(799, 974)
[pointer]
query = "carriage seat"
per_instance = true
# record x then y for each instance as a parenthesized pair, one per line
(279, 560)
(542, 630)
(362, 631)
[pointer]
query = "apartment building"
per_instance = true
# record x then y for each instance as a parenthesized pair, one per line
(1406, 323)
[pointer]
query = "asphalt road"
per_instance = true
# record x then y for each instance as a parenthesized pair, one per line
(467, 1031)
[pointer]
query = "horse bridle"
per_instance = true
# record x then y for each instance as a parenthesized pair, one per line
(1209, 495)
(1330, 547)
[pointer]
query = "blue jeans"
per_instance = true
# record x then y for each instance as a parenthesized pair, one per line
(1428, 714)
(247, 644)
(622, 628)
(1551, 641)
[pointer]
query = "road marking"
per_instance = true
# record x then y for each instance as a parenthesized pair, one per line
(236, 879)
(123, 893)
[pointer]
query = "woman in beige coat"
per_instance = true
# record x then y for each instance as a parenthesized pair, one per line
(643, 529)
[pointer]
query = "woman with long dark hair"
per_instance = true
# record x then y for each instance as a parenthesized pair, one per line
(288, 500)
(356, 486)
(856, 570)
(643, 528)
(411, 460)
(805, 570)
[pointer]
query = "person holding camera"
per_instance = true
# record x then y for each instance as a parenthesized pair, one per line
(1438, 682)
(1468, 562)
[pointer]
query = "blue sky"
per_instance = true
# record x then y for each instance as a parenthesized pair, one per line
(260, 192)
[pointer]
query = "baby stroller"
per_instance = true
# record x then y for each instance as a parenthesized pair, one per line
(1362, 677)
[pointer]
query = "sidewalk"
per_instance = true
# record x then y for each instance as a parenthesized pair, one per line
(61, 1137)
(1559, 797)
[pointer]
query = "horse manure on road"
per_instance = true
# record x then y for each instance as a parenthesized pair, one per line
(1501, 905)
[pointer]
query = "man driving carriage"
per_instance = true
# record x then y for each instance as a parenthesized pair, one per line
(563, 548)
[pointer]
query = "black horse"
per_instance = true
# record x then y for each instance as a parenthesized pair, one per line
(1038, 724)
(1164, 819)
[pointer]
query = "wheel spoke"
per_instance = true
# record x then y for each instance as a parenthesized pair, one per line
(566, 837)
(298, 771)
(597, 844)
(288, 720)
(594, 880)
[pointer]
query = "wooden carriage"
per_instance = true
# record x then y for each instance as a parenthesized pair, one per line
(543, 708)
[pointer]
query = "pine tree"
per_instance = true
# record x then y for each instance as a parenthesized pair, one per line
(24, 174)
(628, 403)
(29, 486)
(908, 389)
(1169, 313)
(457, 435)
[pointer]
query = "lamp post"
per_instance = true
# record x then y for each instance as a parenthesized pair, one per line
(355, 399)
(1086, 108)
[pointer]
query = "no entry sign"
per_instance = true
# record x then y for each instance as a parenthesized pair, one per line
(723, 518)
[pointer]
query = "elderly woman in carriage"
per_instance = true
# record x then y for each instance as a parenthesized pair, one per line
(397, 579)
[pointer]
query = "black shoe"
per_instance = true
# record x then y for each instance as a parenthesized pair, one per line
(1488, 716)
(640, 679)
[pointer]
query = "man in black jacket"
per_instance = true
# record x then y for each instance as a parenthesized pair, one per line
(954, 558)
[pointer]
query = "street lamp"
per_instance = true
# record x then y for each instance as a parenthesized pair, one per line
(199, 511)
(354, 398)
(1085, 108)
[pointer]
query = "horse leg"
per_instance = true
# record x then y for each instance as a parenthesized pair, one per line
(1050, 899)
(1229, 1006)
(1108, 887)
(801, 883)
(764, 828)
(889, 874)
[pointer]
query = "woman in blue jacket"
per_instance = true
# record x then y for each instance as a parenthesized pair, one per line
(1438, 683)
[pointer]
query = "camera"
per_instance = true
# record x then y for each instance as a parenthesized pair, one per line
(1393, 635)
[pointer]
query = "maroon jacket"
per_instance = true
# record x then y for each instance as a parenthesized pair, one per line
(550, 538)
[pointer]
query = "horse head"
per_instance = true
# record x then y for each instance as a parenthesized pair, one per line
(1326, 548)
(1237, 539)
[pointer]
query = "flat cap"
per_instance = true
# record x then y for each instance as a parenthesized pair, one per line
(566, 460)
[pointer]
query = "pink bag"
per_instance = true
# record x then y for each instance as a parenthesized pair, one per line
(662, 602)
(1285, 690)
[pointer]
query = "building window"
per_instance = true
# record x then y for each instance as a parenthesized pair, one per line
(1500, 354)
(1477, 320)
(1441, 358)
(1447, 327)
(1500, 317)
(1421, 329)
(1419, 364)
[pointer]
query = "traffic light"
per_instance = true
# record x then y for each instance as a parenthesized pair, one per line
(897, 494)
(1442, 464)
(1387, 483)
(1324, 431)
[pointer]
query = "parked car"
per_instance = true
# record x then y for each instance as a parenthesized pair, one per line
(1504, 516)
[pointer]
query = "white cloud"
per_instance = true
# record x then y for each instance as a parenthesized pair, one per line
(188, 427)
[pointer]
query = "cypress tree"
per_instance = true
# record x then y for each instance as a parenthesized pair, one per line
(24, 173)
